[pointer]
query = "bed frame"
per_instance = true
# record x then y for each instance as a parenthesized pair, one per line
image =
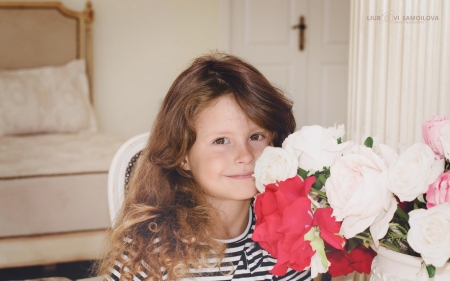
(36, 34)
(44, 33)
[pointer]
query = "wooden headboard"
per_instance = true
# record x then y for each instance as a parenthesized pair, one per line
(34, 34)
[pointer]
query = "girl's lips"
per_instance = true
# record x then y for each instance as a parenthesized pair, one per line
(242, 176)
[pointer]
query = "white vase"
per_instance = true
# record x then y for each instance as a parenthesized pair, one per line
(393, 266)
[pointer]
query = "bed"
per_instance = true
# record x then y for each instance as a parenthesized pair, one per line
(53, 161)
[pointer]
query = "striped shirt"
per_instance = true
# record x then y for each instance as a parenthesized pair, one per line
(250, 262)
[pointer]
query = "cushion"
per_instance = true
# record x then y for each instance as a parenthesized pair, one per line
(46, 99)
(56, 154)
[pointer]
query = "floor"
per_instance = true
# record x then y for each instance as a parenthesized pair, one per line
(72, 270)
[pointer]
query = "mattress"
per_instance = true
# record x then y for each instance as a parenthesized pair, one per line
(54, 183)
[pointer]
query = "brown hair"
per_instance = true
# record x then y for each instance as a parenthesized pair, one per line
(165, 212)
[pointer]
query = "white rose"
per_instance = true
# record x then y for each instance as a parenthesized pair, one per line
(274, 164)
(429, 234)
(389, 155)
(380, 226)
(317, 147)
(357, 191)
(411, 173)
(339, 132)
(445, 140)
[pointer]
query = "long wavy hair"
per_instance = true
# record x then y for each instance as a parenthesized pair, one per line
(165, 224)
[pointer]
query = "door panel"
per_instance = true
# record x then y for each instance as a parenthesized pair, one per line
(315, 78)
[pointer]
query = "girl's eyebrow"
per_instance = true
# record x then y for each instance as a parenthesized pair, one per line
(225, 132)
(218, 133)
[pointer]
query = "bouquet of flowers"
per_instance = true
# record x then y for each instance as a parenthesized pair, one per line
(325, 204)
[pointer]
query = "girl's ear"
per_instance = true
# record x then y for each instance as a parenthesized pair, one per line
(185, 164)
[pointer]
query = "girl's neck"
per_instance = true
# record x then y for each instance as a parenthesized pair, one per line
(233, 218)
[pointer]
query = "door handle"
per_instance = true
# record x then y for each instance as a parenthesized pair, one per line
(301, 36)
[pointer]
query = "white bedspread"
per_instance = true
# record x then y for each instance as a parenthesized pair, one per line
(56, 154)
(54, 183)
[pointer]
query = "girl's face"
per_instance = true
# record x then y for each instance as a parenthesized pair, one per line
(227, 145)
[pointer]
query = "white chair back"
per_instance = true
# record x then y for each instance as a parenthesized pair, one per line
(119, 172)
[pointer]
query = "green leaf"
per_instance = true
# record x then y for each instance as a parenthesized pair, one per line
(420, 204)
(321, 193)
(339, 140)
(317, 244)
(351, 244)
(402, 214)
(322, 178)
(302, 173)
(431, 270)
(317, 185)
(368, 142)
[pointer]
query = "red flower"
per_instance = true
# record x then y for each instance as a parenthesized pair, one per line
(329, 227)
(268, 221)
(294, 251)
(339, 263)
(343, 263)
(284, 215)
(361, 258)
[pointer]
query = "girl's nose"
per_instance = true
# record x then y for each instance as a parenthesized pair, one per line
(244, 154)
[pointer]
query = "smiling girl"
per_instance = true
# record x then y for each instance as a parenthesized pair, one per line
(188, 214)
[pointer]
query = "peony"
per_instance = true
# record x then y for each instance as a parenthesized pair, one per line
(445, 140)
(293, 250)
(317, 147)
(357, 191)
(326, 228)
(361, 259)
(342, 263)
(411, 173)
(431, 131)
(275, 164)
(439, 191)
(429, 234)
(284, 216)
(329, 227)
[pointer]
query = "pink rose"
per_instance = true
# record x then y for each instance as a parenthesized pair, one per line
(431, 131)
(439, 191)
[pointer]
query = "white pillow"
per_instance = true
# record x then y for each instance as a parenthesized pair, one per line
(46, 99)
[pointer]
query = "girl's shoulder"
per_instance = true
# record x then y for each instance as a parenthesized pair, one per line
(244, 260)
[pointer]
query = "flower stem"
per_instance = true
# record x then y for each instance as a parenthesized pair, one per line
(392, 247)
(382, 243)
(321, 193)
(364, 238)
(399, 228)
(402, 214)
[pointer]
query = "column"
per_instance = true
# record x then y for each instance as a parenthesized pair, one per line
(399, 69)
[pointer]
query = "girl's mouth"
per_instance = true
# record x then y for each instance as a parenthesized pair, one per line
(241, 176)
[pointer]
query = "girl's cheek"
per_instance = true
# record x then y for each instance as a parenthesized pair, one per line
(220, 149)
(260, 144)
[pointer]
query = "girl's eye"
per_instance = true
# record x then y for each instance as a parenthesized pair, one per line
(221, 141)
(256, 137)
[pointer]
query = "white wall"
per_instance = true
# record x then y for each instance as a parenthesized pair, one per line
(140, 46)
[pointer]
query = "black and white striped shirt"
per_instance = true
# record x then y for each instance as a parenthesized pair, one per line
(250, 261)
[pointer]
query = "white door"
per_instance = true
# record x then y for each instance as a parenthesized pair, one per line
(262, 32)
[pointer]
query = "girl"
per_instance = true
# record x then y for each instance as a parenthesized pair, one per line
(188, 214)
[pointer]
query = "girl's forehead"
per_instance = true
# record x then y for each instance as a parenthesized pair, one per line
(223, 113)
